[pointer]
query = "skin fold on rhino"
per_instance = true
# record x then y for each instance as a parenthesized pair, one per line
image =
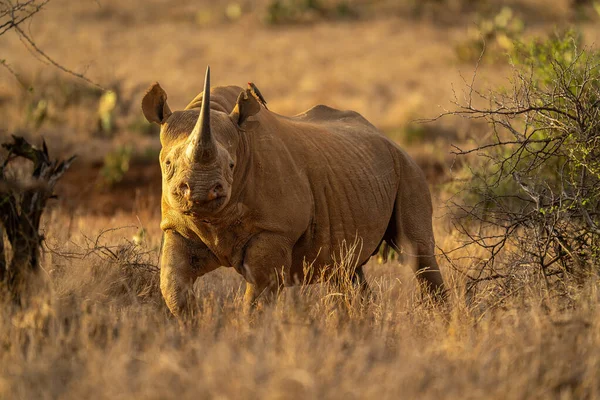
(244, 187)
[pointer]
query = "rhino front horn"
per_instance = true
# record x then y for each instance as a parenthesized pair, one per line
(201, 144)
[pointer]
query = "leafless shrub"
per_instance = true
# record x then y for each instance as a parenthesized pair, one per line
(22, 203)
(123, 271)
(533, 194)
(13, 14)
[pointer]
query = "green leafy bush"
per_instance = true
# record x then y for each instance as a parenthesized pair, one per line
(116, 165)
(496, 35)
(303, 11)
(106, 108)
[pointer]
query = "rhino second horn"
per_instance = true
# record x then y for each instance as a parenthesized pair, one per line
(202, 146)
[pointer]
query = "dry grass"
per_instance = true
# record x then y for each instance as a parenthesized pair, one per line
(105, 333)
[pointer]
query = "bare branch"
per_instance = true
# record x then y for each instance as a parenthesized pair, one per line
(12, 16)
(534, 197)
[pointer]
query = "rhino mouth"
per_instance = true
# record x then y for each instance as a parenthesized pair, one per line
(201, 208)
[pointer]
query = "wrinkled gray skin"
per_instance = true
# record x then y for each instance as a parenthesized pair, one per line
(246, 188)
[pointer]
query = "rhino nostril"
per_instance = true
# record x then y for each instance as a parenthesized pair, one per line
(184, 189)
(216, 192)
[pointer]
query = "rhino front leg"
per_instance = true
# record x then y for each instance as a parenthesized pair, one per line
(254, 292)
(267, 261)
(182, 262)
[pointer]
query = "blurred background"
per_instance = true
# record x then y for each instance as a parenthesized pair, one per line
(395, 62)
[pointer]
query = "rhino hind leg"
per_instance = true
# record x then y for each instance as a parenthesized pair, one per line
(412, 222)
(355, 282)
(360, 281)
(427, 269)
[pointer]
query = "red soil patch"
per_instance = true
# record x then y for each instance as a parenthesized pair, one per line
(82, 187)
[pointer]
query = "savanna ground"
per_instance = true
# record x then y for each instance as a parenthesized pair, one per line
(103, 331)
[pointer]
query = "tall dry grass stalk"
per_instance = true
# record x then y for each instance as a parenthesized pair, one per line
(107, 334)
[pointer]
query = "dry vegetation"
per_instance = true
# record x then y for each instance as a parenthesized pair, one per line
(103, 330)
(107, 334)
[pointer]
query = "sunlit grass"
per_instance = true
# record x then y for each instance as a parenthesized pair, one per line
(105, 333)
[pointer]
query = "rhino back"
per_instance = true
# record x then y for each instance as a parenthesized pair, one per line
(350, 173)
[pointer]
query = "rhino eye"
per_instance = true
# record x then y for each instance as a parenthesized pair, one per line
(231, 165)
(168, 169)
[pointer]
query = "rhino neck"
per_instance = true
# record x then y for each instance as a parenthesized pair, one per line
(242, 175)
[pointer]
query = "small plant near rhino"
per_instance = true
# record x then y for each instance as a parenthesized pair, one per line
(586, 9)
(280, 12)
(121, 269)
(116, 165)
(437, 8)
(496, 35)
(106, 109)
(535, 196)
(49, 99)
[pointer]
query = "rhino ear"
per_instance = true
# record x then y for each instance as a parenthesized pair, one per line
(154, 105)
(245, 107)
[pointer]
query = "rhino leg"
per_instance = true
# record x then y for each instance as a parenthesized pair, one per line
(412, 222)
(266, 262)
(181, 262)
(254, 292)
(427, 269)
(359, 280)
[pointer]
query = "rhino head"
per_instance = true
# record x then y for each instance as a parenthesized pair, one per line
(199, 150)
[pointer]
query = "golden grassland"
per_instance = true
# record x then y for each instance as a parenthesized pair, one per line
(104, 332)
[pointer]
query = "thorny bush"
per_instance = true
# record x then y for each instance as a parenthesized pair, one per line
(534, 194)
